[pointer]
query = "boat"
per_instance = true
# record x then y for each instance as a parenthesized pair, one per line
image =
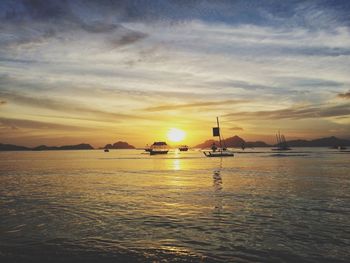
(106, 150)
(339, 147)
(183, 148)
(281, 143)
(159, 148)
(221, 151)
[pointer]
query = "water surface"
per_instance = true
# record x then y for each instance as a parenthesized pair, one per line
(259, 206)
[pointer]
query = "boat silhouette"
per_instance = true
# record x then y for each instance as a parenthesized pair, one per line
(281, 143)
(220, 151)
(159, 148)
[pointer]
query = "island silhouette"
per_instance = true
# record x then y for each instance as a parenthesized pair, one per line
(232, 142)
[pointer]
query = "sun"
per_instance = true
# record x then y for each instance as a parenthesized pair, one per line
(176, 135)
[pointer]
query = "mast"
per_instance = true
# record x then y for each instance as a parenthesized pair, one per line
(279, 139)
(217, 121)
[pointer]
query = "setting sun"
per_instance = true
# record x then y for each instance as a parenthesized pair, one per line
(176, 135)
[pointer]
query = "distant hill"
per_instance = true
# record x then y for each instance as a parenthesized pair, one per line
(256, 144)
(119, 145)
(11, 147)
(323, 142)
(236, 142)
(206, 144)
(232, 142)
(82, 146)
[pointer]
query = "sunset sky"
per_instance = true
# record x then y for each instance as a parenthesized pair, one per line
(103, 71)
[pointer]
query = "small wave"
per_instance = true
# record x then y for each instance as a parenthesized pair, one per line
(287, 155)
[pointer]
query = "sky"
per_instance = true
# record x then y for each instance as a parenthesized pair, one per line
(104, 71)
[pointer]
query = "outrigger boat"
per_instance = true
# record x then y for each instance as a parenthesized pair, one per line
(183, 148)
(159, 148)
(221, 151)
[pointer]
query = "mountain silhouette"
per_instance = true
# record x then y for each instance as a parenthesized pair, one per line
(322, 142)
(11, 147)
(119, 145)
(236, 142)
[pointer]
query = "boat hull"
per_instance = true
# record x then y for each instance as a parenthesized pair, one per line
(157, 152)
(218, 154)
(281, 149)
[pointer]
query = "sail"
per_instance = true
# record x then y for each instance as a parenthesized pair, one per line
(216, 131)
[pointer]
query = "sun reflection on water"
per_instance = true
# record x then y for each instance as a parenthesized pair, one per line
(176, 165)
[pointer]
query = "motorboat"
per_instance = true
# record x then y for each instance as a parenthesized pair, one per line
(183, 148)
(159, 148)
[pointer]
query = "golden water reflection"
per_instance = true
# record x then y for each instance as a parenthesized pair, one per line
(181, 204)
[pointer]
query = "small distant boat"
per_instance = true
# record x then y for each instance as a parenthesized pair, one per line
(147, 148)
(159, 148)
(281, 143)
(218, 151)
(340, 147)
(183, 148)
(106, 150)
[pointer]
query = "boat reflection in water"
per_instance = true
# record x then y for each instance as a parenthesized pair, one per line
(217, 186)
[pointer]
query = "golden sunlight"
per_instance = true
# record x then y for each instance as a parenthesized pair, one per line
(176, 135)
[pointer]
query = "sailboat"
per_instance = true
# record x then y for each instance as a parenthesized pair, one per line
(281, 143)
(221, 151)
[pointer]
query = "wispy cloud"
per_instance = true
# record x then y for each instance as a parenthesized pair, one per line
(296, 112)
(194, 105)
(30, 124)
(65, 106)
(236, 128)
(345, 95)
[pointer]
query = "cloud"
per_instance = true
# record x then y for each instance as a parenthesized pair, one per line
(127, 39)
(193, 105)
(66, 106)
(15, 124)
(236, 128)
(345, 95)
(302, 112)
(115, 61)
(312, 13)
(99, 27)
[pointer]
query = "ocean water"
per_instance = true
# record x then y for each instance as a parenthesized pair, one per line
(127, 206)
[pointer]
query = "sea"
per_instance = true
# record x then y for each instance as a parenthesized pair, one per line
(128, 206)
